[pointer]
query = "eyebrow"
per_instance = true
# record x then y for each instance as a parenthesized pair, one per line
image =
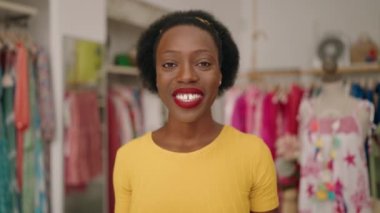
(196, 51)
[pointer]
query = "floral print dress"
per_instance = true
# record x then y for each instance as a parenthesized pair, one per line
(334, 176)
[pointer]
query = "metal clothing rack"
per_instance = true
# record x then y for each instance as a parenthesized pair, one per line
(15, 14)
(371, 68)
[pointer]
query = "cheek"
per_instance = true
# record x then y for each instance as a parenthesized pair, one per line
(159, 80)
(162, 85)
(216, 80)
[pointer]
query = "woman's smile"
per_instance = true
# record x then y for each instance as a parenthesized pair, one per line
(188, 97)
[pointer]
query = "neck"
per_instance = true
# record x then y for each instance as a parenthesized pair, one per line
(333, 89)
(180, 136)
(191, 130)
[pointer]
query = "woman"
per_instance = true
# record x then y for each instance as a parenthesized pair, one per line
(192, 163)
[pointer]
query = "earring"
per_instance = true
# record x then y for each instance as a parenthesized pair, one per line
(220, 82)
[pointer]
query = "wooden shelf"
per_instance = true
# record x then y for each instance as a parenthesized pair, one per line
(122, 70)
(12, 8)
(354, 69)
(136, 13)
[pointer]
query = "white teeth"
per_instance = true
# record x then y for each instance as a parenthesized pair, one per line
(188, 97)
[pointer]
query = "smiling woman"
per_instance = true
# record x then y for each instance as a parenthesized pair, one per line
(192, 163)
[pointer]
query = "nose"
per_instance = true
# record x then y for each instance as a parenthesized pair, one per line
(187, 74)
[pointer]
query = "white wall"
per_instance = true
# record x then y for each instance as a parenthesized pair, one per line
(84, 19)
(292, 27)
(288, 30)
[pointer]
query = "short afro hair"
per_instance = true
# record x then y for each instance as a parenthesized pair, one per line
(227, 49)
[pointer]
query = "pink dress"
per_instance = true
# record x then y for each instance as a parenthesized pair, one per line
(247, 111)
(334, 175)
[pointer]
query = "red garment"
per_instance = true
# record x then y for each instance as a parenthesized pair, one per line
(269, 130)
(21, 106)
(291, 109)
(114, 142)
(290, 123)
(83, 143)
(239, 114)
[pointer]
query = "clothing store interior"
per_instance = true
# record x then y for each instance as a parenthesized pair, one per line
(70, 96)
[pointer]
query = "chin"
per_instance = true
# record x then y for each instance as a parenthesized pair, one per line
(187, 117)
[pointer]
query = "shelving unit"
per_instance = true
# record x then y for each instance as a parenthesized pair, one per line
(122, 70)
(354, 69)
(135, 13)
(8, 8)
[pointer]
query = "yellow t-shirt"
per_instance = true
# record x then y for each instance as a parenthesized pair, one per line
(233, 174)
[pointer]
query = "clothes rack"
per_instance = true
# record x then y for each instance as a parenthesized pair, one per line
(372, 68)
(26, 104)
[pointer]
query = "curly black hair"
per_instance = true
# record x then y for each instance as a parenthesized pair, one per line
(227, 49)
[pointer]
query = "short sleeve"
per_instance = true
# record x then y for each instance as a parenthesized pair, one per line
(263, 194)
(121, 182)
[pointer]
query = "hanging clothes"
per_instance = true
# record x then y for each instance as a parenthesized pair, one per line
(22, 113)
(83, 146)
(125, 122)
(247, 114)
(334, 174)
(29, 143)
(8, 57)
(292, 105)
(35, 194)
(114, 142)
(5, 170)
(268, 115)
(129, 108)
(22, 149)
(231, 96)
(287, 144)
(88, 62)
(371, 144)
(45, 95)
(377, 111)
(270, 121)
(47, 113)
(239, 114)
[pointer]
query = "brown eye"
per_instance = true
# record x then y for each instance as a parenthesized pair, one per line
(204, 64)
(169, 65)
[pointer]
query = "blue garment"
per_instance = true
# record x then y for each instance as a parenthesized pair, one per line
(7, 104)
(357, 91)
(5, 165)
(34, 189)
(377, 107)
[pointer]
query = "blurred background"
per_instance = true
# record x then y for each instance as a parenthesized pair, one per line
(70, 91)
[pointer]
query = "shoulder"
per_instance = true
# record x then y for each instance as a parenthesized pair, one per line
(244, 143)
(134, 147)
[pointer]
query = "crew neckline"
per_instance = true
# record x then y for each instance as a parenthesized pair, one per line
(211, 146)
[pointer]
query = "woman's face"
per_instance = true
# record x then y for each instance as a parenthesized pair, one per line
(188, 72)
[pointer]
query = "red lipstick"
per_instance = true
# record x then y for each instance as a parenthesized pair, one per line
(188, 98)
